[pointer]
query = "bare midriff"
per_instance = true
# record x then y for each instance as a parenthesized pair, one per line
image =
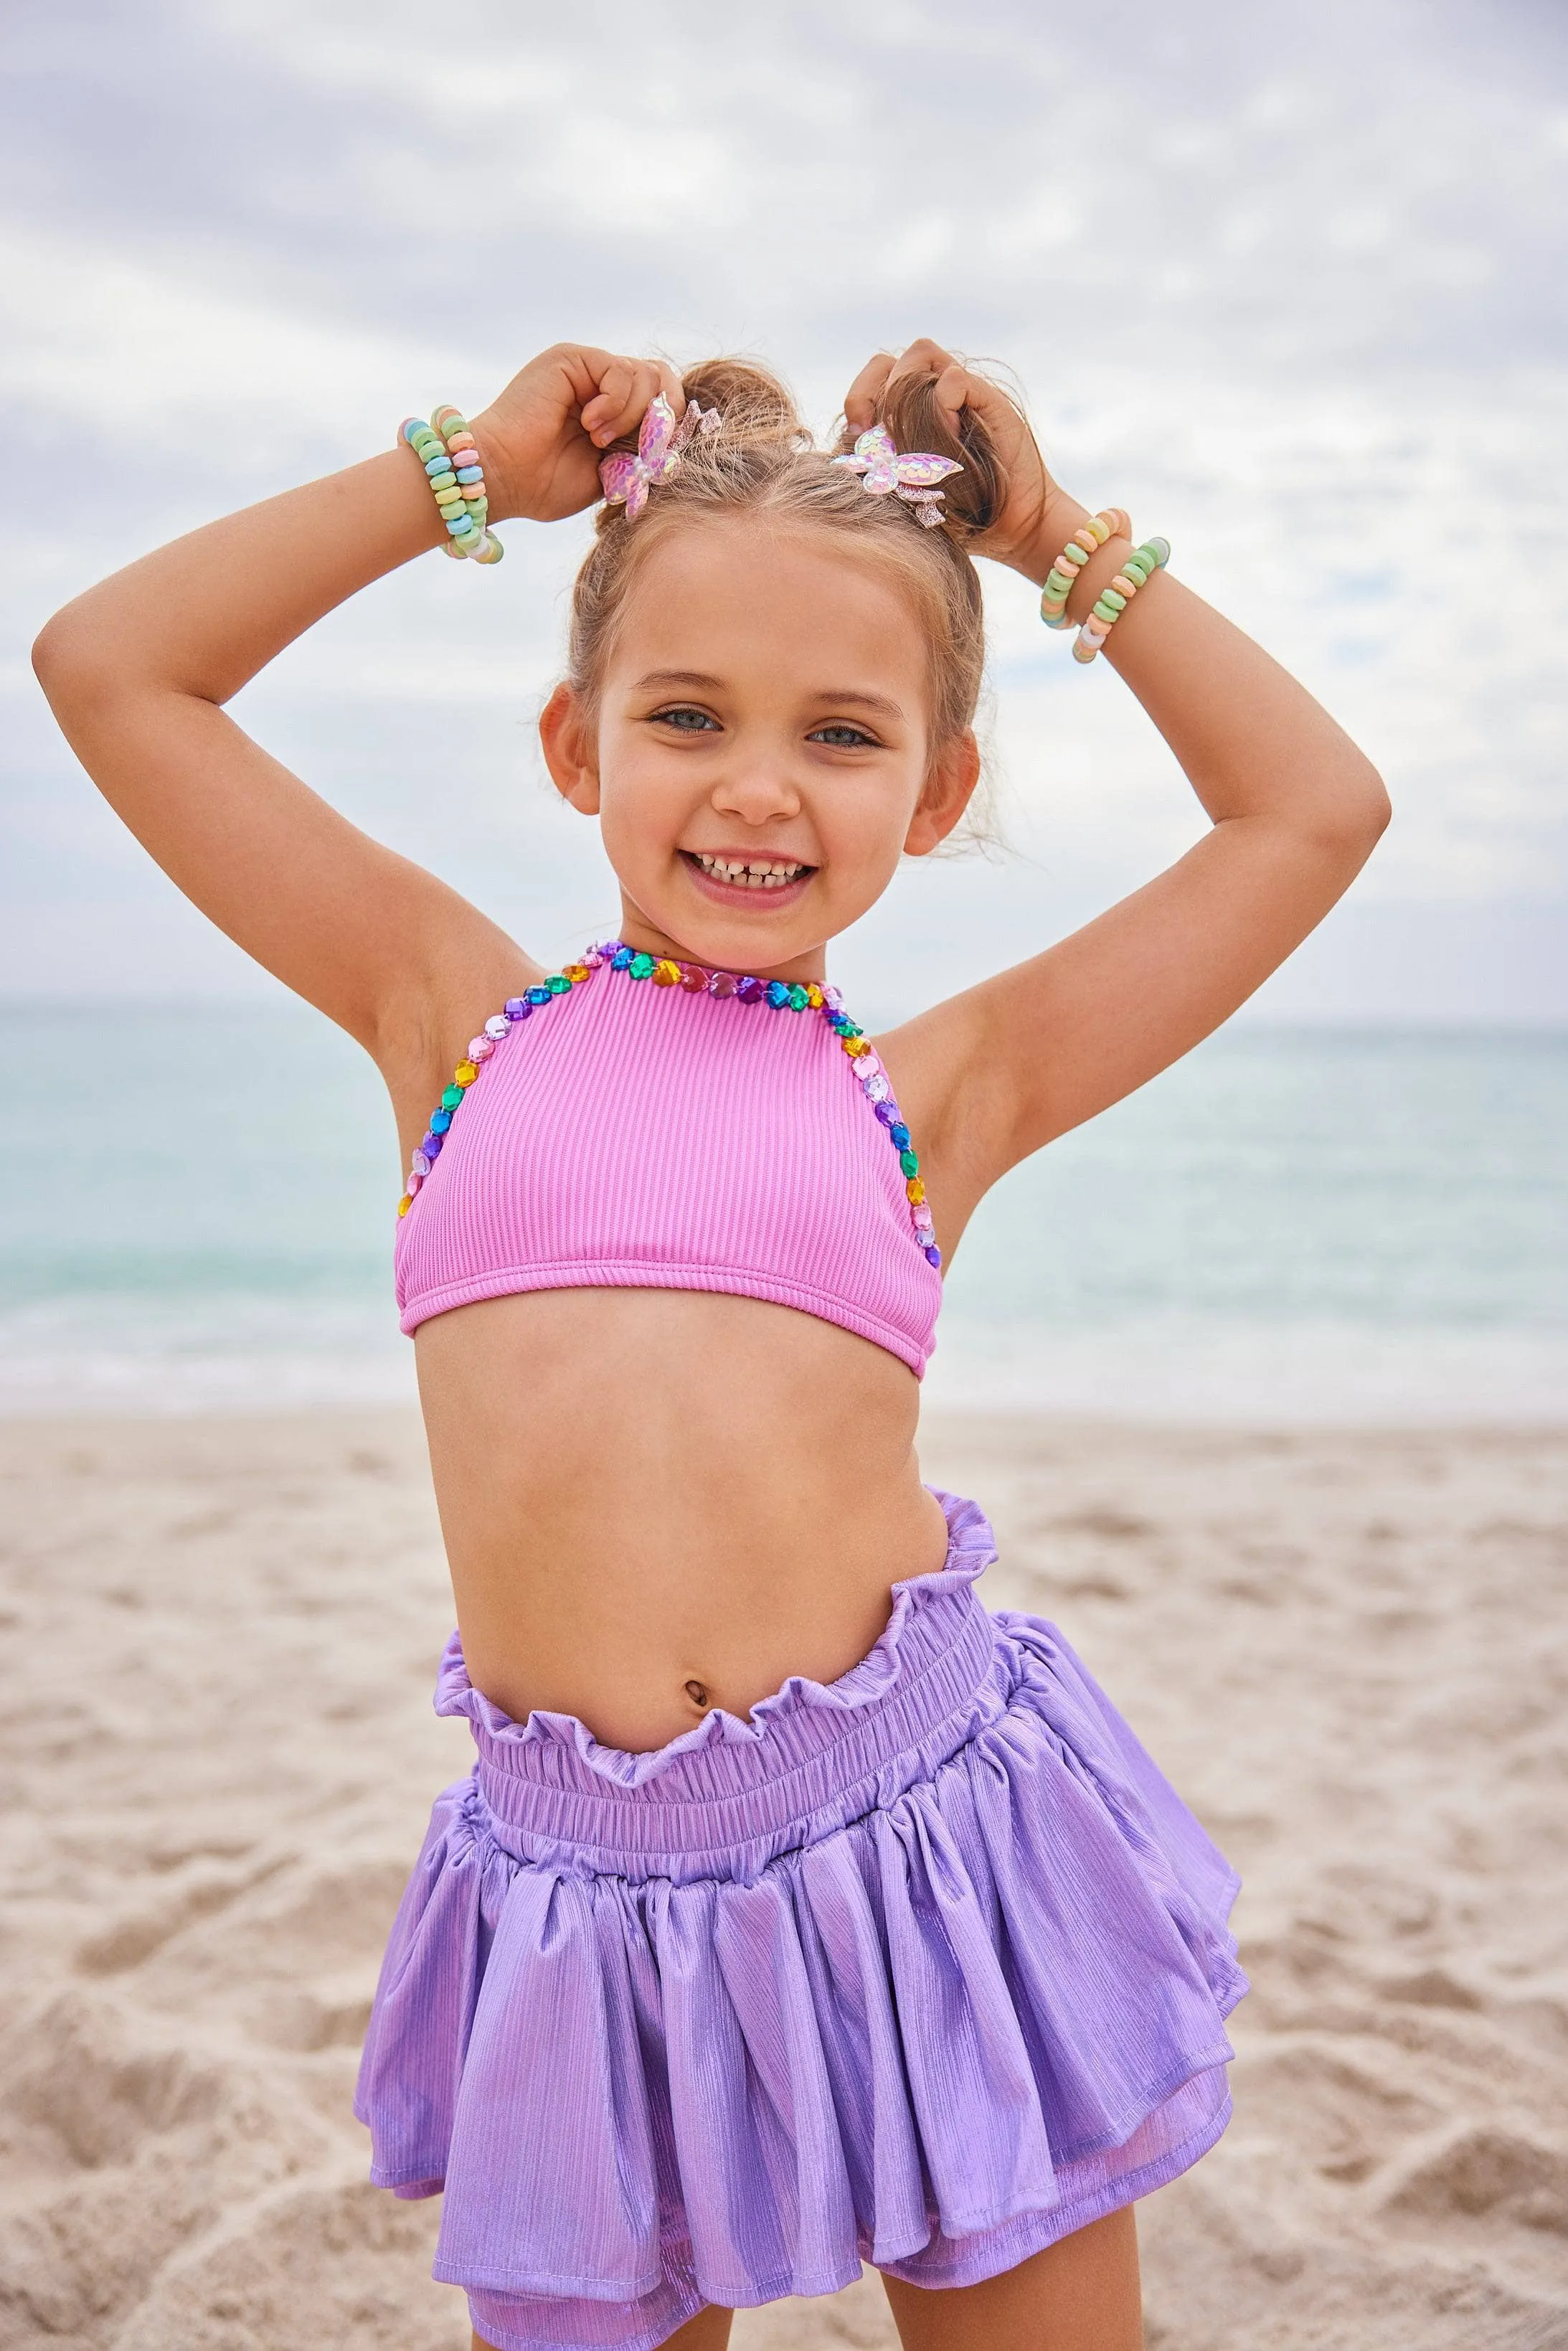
(659, 1501)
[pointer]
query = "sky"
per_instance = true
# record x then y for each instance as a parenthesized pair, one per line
(1286, 283)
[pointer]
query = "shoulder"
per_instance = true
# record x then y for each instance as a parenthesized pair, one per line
(952, 1096)
(441, 999)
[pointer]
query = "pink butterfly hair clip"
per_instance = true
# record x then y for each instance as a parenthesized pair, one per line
(909, 476)
(628, 478)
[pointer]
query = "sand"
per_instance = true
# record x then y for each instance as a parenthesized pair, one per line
(1349, 1652)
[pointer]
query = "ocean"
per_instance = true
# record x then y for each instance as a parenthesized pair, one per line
(1348, 1225)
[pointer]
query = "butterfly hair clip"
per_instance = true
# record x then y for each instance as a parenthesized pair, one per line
(628, 477)
(909, 475)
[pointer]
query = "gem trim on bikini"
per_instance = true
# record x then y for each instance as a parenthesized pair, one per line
(780, 996)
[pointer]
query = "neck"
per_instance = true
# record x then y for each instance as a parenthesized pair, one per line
(637, 931)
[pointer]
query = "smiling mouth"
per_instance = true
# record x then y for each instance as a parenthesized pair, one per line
(749, 872)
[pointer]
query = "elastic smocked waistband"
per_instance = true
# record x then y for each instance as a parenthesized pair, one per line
(731, 1792)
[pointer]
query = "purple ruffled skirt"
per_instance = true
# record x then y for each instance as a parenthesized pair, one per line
(924, 1967)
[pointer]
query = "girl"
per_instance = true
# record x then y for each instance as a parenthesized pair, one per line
(800, 1911)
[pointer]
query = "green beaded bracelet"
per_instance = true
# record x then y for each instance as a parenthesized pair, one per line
(1109, 524)
(1112, 600)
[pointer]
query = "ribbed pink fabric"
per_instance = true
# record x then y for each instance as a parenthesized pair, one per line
(635, 1136)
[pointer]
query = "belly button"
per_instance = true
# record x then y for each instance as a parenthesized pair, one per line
(696, 1693)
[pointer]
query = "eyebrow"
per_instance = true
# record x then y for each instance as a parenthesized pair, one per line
(840, 696)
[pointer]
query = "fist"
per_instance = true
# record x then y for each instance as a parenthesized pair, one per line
(541, 439)
(1019, 529)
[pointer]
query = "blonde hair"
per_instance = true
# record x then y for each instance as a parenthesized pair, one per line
(762, 461)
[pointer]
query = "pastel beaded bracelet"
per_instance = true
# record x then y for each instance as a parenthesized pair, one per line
(1114, 600)
(1111, 524)
(450, 456)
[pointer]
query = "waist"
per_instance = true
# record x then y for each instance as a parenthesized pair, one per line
(808, 1755)
(642, 1490)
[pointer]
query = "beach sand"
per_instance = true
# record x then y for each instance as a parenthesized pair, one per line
(1349, 1652)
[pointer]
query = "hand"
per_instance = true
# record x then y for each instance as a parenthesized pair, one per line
(1020, 533)
(541, 439)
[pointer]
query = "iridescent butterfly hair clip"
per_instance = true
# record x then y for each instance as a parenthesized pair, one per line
(628, 477)
(910, 473)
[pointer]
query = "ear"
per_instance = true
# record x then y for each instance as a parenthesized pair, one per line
(571, 744)
(948, 789)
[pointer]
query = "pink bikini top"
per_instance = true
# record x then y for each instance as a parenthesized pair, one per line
(647, 1125)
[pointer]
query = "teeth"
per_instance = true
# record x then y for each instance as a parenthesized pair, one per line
(750, 873)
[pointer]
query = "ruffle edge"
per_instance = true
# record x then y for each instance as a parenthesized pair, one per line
(936, 2039)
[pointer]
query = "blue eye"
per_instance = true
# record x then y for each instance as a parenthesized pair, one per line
(842, 739)
(685, 720)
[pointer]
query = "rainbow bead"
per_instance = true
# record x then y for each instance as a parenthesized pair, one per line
(467, 1073)
(667, 971)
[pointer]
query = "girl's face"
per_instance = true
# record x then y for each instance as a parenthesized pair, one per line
(761, 756)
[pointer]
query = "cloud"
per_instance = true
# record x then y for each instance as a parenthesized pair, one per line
(1286, 284)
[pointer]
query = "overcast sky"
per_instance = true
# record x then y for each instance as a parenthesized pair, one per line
(1288, 283)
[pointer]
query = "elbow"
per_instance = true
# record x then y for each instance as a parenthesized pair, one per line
(1353, 820)
(1375, 809)
(58, 656)
(70, 663)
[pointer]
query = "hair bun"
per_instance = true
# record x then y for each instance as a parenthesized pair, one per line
(752, 404)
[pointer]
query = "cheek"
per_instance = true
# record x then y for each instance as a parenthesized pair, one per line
(640, 801)
(868, 817)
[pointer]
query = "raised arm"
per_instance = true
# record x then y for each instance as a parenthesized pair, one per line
(1296, 811)
(137, 671)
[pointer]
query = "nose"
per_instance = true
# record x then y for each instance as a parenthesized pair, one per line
(756, 790)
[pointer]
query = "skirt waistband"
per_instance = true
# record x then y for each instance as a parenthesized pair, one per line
(730, 1793)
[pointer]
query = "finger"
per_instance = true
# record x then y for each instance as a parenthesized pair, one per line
(585, 369)
(623, 396)
(671, 386)
(613, 382)
(955, 390)
(647, 384)
(959, 388)
(923, 358)
(863, 396)
(644, 389)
